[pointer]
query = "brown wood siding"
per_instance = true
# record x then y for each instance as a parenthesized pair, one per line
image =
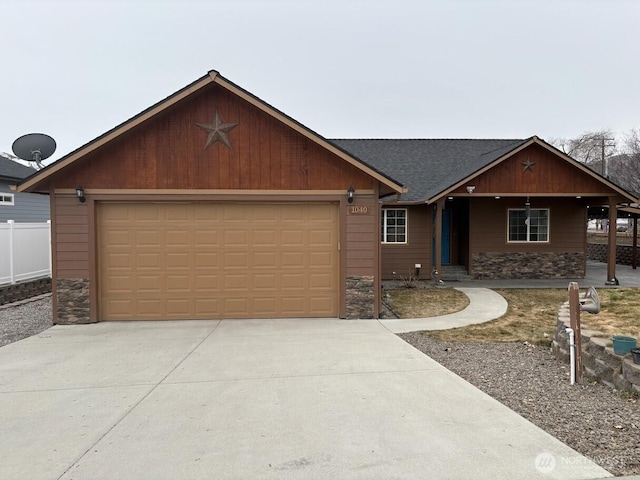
(548, 174)
(71, 237)
(401, 258)
(169, 152)
(361, 234)
(488, 225)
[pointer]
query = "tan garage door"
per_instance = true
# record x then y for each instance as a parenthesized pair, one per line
(217, 260)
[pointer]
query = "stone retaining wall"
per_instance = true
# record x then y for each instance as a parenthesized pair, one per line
(598, 252)
(599, 361)
(529, 265)
(360, 297)
(24, 290)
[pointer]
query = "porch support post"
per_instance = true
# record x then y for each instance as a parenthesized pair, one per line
(613, 227)
(438, 233)
(634, 258)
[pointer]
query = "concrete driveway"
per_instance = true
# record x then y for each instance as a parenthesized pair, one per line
(255, 399)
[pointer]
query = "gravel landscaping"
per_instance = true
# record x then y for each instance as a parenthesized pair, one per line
(24, 319)
(602, 424)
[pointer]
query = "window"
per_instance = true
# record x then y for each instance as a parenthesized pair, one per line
(394, 225)
(533, 229)
(6, 198)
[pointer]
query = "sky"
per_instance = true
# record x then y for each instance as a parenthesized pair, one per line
(74, 69)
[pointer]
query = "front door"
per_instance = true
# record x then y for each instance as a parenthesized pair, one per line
(445, 256)
(446, 237)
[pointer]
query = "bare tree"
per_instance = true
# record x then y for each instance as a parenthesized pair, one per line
(591, 148)
(625, 168)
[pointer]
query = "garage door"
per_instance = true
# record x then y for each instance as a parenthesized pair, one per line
(217, 260)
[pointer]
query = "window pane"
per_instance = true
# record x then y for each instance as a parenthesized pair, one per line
(393, 225)
(535, 229)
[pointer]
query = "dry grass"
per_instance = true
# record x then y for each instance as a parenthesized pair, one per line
(620, 313)
(531, 316)
(427, 302)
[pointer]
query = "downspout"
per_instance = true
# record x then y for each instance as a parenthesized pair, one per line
(572, 354)
(612, 243)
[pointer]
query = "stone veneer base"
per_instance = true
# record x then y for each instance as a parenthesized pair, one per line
(529, 265)
(72, 295)
(599, 361)
(360, 297)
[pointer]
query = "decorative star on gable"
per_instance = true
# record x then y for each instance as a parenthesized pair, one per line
(528, 165)
(218, 131)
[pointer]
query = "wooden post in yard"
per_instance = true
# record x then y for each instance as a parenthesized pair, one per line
(574, 318)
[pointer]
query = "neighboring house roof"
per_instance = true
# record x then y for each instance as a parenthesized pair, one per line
(11, 170)
(431, 168)
(212, 77)
(428, 166)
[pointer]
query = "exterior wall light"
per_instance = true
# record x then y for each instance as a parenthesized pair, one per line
(350, 193)
(80, 194)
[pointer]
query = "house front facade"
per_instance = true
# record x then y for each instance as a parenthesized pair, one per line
(213, 204)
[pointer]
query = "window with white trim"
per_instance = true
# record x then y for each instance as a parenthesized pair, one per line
(535, 228)
(394, 225)
(6, 198)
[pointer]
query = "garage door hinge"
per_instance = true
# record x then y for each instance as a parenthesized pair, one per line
(338, 246)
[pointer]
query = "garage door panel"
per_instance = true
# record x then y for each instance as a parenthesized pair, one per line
(206, 260)
(207, 283)
(320, 280)
(293, 259)
(264, 260)
(217, 260)
(236, 282)
(206, 238)
(293, 304)
(121, 283)
(262, 282)
(118, 260)
(148, 284)
(179, 283)
(175, 260)
(293, 238)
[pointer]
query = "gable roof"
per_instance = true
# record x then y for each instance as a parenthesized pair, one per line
(428, 166)
(432, 168)
(13, 170)
(212, 77)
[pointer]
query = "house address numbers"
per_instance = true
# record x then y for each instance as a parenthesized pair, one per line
(358, 210)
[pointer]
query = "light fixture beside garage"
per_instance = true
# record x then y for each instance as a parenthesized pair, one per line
(80, 194)
(350, 193)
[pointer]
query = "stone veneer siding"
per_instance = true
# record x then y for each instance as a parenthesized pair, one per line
(72, 296)
(598, 359)
(513, 265)
(24, 290)
(360, 297)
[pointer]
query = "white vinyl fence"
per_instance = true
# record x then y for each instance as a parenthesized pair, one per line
(25, 251)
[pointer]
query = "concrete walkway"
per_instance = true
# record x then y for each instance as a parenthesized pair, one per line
(259, 399)
(484, 305)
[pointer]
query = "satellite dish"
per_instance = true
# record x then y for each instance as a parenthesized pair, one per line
(34, 147)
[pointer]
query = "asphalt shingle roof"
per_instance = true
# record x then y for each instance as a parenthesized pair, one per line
(427, 167)
(13, 170)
